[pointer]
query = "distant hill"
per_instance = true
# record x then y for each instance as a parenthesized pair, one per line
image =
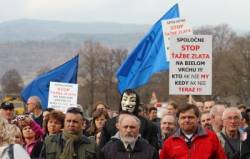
(28, 45)
(28, 29)
(128, 40)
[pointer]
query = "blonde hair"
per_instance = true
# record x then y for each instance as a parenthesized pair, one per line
(14, 131)
(4, 134)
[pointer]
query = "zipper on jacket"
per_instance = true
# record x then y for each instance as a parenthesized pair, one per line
(130, 155)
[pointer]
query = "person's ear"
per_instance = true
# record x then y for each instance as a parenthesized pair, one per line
(117, 125)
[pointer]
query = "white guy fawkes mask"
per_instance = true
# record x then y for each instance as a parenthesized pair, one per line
(128, 102)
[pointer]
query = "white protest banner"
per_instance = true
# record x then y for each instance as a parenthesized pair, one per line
(62, 95)
(172, 27)
(190, 65)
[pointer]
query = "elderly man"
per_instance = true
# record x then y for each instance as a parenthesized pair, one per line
(205, 120)
(191, 140)
(7, 111)
(216, 117)
(35, 108)
(127, 142)
(129, 105)
(168, 126)
(71, 143)
(233, 141)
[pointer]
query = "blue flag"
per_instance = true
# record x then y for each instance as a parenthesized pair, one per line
(66, 72)
(147, 58)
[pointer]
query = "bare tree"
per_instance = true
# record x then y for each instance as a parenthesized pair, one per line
(90, 54)
(97, 69)
(108, 65)
(238, 62)
(11, 82)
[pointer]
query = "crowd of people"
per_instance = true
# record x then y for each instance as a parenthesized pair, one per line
(197, 130)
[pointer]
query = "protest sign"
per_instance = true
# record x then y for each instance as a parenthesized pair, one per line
(190, 65)
(62, 95)
(173, 27)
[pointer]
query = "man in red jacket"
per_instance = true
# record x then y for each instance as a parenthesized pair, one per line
(191, 141)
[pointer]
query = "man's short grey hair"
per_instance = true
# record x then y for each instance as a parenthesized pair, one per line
(123, 116)
(205, 112)
(231, 109)
(215, 110)
(170, 115)
(37, 100)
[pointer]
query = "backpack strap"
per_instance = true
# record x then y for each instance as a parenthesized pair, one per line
(228, 142)
(9, 150)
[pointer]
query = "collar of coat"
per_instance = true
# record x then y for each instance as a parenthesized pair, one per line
(59, 138)
(200, 132)
(138, 144)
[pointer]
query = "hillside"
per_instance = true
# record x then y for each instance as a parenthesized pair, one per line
(29, 45)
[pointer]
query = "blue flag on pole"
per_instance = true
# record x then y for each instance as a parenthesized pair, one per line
(147, 58)
(66, 73)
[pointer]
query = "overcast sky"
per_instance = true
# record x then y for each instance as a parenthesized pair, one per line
(236, 13)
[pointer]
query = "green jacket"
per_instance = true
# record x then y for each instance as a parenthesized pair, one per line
(85, 147)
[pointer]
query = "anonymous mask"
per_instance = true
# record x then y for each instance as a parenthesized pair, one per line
(128, 102)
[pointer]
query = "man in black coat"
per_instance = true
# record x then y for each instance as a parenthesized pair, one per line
(129, 105)
(127, 142)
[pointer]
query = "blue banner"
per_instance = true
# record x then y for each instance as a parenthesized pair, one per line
(66, 73)
(147, 58)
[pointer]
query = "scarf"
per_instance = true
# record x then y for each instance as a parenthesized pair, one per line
(68, 150)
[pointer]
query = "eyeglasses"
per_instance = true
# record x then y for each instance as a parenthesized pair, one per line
(30, 103)
(235, 118)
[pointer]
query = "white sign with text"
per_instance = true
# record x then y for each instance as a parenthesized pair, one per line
(62, 95)
(173, 27)
(190, 69)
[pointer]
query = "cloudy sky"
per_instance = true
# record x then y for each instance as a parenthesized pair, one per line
(236, 13)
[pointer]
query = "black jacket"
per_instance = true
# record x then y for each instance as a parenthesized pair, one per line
(142, 150)
(245, 150)
(148, 131)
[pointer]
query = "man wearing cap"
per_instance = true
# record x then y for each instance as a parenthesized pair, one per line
(7, 110)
